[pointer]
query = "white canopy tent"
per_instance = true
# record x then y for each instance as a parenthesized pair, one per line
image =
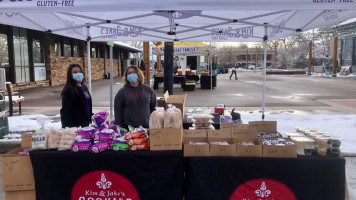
(179, 20)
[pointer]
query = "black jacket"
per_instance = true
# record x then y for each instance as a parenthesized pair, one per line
(74, 109)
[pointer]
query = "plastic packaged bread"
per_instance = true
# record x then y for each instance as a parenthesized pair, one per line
(173, 117)
(157, 118)
(54, 137)
(67, 139)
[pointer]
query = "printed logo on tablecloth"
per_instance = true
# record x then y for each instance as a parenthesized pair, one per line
(100, 185)
(263, 189)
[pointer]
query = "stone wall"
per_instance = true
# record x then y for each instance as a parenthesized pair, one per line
(28, 85)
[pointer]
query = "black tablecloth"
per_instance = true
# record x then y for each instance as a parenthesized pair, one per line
(154, 175)
(205, 82)
(156, 81)
(192, 77)
(176, 80)
(310, 177)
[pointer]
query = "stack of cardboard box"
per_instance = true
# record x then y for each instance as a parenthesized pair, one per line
(237, 136)
(17, 173)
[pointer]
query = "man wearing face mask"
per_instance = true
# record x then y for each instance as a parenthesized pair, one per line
(135, 102)
(76, 101)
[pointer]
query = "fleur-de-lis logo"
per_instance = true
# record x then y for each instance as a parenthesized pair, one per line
(263, 192)
(103, 183)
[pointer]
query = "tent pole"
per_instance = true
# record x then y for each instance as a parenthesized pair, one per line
(111, 83)
(89, 60)
(211, 71)
(265, 39)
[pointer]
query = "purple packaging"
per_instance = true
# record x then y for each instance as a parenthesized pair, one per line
(114, 127)
(103, 137)
(100, 147)
(90, 130)
(80, 146)
(98, 119)
(83, 135)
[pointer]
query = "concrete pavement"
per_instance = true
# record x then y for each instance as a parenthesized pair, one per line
(304, 94)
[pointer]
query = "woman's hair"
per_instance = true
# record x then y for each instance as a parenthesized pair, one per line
(141, 78)
(71, 83)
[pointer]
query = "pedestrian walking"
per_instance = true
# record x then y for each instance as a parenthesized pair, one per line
(233, 71)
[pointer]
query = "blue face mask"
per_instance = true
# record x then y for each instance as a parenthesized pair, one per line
(78, 77)
(132, 78)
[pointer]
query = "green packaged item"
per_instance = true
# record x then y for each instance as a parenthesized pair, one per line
(120, 147)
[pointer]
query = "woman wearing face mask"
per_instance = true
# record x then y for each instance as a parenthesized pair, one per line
(135, 102)
(76, 101)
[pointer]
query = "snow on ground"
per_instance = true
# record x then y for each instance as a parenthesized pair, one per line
(343, 126)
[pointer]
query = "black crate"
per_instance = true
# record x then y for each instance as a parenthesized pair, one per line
(189, 88)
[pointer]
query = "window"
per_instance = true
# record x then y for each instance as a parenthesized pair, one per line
(4, 56)
(57, 48)
(254, 57)
(93, 51)
(67, 49)
(269, 56)
(38, 60)
(241, 57)
(76, 50)
(249, 57)
(22, 65)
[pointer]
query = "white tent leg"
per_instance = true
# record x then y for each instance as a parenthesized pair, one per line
(264, 73)
(111, 84)
(89, 60)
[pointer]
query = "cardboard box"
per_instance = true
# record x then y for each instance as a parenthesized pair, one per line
(191, 150)
(244, 133)
(17, 171)
(223, 150)
(219, 135)
(161, 102)
(248, 150)
(166, 139)
(273, 151)
(232, 125)
(21, 195)
(26, 142)
(176, 100)
(264, 126)
(224, 135)
(199, 133)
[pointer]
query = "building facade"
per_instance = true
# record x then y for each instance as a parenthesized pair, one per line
(347, 43)
(254, 56)
(38, 59)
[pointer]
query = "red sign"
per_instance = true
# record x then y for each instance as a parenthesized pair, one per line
(263, 189)
(103, 185)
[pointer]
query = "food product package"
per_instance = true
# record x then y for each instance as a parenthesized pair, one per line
(89, 129)
(39, 139)
(100, 147)
(54, 137)
(140, 129)
(172, 117)
(137, 141)
(122, 131)
(67, 139)
(139, 147)
(24, 152)
(80, 146)
(157, 118)
(134, 135)
(119, 145)
(103, 137)
(220, 143)
(99, 118)
(114, 127)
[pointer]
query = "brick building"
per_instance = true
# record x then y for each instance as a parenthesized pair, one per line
(38, 59)
(254, 56)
